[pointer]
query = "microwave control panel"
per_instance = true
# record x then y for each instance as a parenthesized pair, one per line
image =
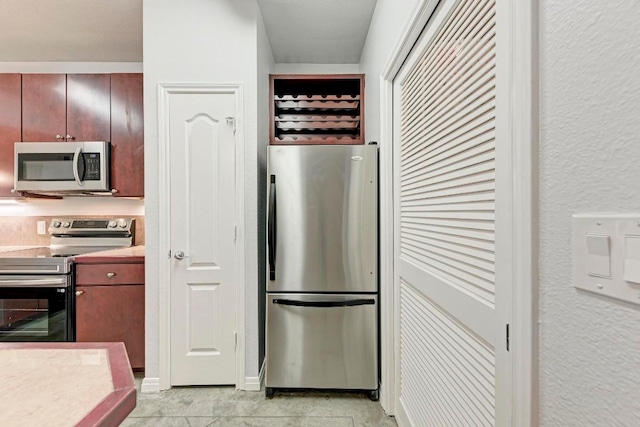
(92, 165)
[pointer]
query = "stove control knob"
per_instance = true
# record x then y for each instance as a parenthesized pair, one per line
(66, 224)
(122, 223)
(113, 224)
(56, 224)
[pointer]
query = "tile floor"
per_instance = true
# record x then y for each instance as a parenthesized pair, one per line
(224, 406)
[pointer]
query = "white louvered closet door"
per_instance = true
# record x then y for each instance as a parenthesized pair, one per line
(451, 334)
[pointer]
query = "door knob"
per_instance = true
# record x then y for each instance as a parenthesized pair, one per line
(59, 137)
(78, 293)
(70, 138)
(179, 255)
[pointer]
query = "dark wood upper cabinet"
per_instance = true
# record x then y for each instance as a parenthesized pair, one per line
(316, 109)
(127, 135)
(76, 107)
(88, 107)
(10, 127)
(44, 107)
(66, 107)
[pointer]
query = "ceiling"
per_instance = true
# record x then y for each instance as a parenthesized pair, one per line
(71, 30)
(300, 31)
(317, 31)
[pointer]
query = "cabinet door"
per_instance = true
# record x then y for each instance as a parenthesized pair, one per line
(43, 107)
(10, 128)
(112, 314)
(88, 107)
(127, 136)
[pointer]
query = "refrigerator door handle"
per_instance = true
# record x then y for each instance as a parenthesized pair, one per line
(272, 229)
(343, 303)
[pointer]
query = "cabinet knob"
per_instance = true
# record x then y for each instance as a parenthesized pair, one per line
(70, 138)
(78, 293)
(110, 274)
(59, 137)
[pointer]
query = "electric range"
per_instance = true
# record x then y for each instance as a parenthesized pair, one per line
(37, 301)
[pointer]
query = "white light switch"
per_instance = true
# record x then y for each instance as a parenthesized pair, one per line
(598, 255)
(632, 259)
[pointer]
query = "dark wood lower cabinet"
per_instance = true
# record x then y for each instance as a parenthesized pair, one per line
(110, 312)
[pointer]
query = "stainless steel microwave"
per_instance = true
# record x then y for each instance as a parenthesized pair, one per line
(61, 166)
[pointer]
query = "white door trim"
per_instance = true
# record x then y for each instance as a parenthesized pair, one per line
(521, 36)
(165, 90)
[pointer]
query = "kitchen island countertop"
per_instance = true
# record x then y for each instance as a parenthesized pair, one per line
(64, 384)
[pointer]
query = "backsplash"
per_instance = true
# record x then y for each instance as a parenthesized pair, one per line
(22, 230)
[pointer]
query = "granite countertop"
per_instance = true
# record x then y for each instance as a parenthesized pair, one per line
(132, 254)
(64, 384)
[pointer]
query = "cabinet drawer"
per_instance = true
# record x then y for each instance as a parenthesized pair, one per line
(110, 274)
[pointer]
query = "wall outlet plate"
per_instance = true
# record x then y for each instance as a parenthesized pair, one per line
(42, 227)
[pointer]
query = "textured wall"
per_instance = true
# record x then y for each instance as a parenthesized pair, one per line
(203, 41)
(589, 154)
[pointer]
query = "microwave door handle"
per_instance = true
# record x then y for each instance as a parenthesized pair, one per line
(76, 161)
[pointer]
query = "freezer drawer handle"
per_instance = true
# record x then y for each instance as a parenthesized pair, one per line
(273, 231)
(344, 303)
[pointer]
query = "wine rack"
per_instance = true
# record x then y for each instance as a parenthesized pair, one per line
(317, 109)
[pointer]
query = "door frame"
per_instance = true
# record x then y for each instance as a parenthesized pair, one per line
(519, 114)
(165, 90)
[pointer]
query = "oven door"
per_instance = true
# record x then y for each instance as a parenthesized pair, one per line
(36, 308)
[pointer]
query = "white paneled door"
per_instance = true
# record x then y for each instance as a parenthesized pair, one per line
(452, 364)
(203, 260)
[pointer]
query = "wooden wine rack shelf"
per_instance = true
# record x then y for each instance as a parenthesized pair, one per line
(317, 109)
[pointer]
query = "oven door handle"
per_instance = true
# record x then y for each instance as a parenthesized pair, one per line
(57, 282)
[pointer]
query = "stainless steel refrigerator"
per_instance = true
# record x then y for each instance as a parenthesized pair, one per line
(322, 273)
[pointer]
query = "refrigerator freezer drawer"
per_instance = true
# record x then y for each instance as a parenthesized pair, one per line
(322, 341)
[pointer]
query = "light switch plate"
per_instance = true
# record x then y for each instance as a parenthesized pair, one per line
(592, 235)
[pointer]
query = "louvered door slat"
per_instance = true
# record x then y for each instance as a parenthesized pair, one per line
(472, 384)
(487, 173)
(478, 142)
(446, 370)
(476, 71)
(473, 127)
(464, 237)
(472, 106)
(470, 56)
(464, 161)
(474, 188)
(464, 246)
(436, 54)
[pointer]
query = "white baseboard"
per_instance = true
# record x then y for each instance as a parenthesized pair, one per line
(150, 385)
(255, 383)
